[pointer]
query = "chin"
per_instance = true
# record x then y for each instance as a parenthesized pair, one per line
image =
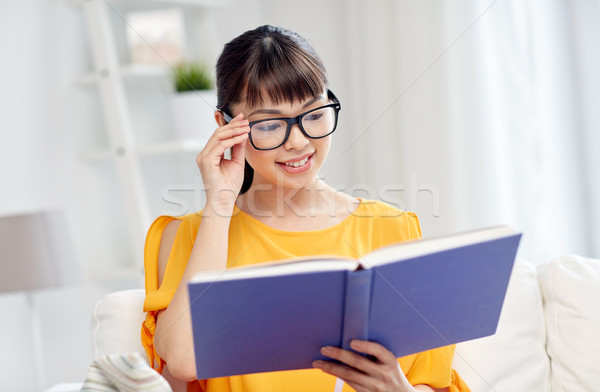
(280, 174)
(294, 182)
(279, 178)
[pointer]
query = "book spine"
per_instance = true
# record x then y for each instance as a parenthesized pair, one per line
(356, 306)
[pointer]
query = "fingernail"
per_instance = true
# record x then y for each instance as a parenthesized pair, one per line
(355, 343)
(317, 364)
(326, 350)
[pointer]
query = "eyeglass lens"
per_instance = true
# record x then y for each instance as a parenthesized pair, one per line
(271, 133)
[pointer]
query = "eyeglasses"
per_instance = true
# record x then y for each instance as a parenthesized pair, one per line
(271, 133)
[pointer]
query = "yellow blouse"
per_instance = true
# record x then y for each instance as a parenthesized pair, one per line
(372, 225)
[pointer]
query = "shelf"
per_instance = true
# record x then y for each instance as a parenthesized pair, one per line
(150, 4)
(129, 73)
(152, 150)
(111, 81)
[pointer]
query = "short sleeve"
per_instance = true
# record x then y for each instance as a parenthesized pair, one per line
(159, 297)
(392, 225)
(434, 368)
(412, 226)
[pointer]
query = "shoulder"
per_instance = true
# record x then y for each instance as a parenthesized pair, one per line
(380, 209)
(168, 235)
(370, 208)
(167, 230)
(168, 225)
(389, 221)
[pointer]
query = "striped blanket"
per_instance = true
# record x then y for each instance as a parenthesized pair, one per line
(124, 373)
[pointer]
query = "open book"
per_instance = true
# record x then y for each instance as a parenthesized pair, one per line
(410, 297)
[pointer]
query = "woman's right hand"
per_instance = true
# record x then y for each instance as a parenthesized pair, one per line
(222, 177)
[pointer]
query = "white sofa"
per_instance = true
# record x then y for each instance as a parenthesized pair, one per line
(547, 338)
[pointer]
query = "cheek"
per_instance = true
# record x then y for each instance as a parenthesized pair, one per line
(323, 146)
(255, 157)
(248, 152)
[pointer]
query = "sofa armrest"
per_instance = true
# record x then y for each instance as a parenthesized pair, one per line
(117, 323)
(514, 359)
(571, 290)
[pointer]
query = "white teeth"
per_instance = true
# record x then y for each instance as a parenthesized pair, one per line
(297, 163)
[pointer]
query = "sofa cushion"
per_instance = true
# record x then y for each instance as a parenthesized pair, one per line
(514, 359)
(571, 289)
(118, 319)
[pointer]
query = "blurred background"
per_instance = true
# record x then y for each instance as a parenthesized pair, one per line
(471, 113)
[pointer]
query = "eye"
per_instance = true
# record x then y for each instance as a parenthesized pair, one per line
(314, 116)
(267, 126)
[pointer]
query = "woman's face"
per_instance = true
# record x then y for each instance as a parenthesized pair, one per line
(295, 163)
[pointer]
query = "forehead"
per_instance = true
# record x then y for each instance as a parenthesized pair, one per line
(276, 107)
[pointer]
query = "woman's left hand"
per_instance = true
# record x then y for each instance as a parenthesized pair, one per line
(363, 374)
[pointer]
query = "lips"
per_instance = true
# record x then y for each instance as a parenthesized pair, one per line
(297, 165)
(299, 161)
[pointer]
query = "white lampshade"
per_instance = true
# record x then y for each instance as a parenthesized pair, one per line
(36, 252)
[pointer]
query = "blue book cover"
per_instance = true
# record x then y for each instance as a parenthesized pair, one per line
(410, 297)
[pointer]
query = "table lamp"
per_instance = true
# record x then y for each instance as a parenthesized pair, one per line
(36, 252)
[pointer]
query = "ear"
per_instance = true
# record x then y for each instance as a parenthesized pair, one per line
(219, 118)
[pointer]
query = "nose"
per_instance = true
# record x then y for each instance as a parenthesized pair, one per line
(297, 139)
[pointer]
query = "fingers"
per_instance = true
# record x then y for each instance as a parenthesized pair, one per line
(238, 153)
(373, 348)
(352, 377)
(232, 142)
(360, 372)
(229, 135)
(234, 128)
(350, 358)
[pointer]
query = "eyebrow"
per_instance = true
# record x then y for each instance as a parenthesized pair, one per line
(275, 111)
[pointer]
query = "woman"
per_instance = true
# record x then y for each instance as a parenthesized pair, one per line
(266, 203)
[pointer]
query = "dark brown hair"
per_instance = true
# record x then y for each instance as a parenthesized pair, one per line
(267, 61)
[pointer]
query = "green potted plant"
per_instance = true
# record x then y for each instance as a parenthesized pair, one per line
(194, 101)
(191, 77)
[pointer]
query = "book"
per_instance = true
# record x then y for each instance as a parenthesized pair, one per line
(410, 297)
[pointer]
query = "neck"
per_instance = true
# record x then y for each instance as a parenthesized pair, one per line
(269, 200)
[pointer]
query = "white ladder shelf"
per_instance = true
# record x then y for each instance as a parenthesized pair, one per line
(108, 75)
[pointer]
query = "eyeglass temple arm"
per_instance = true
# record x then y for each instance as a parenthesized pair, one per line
(227, 117)
(332, 96)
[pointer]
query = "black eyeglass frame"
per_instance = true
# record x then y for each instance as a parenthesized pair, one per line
(295, 120)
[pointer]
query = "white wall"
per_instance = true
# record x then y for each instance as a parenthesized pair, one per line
(42, 48)
(27, 119)
(48, 122)
(375, 53)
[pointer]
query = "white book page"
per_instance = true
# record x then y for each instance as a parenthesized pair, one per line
(407, 250)
(278, 268)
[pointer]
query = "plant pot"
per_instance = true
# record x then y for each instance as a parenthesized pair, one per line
(194, 114)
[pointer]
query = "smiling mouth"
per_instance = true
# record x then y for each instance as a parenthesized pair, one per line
(297, 163)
